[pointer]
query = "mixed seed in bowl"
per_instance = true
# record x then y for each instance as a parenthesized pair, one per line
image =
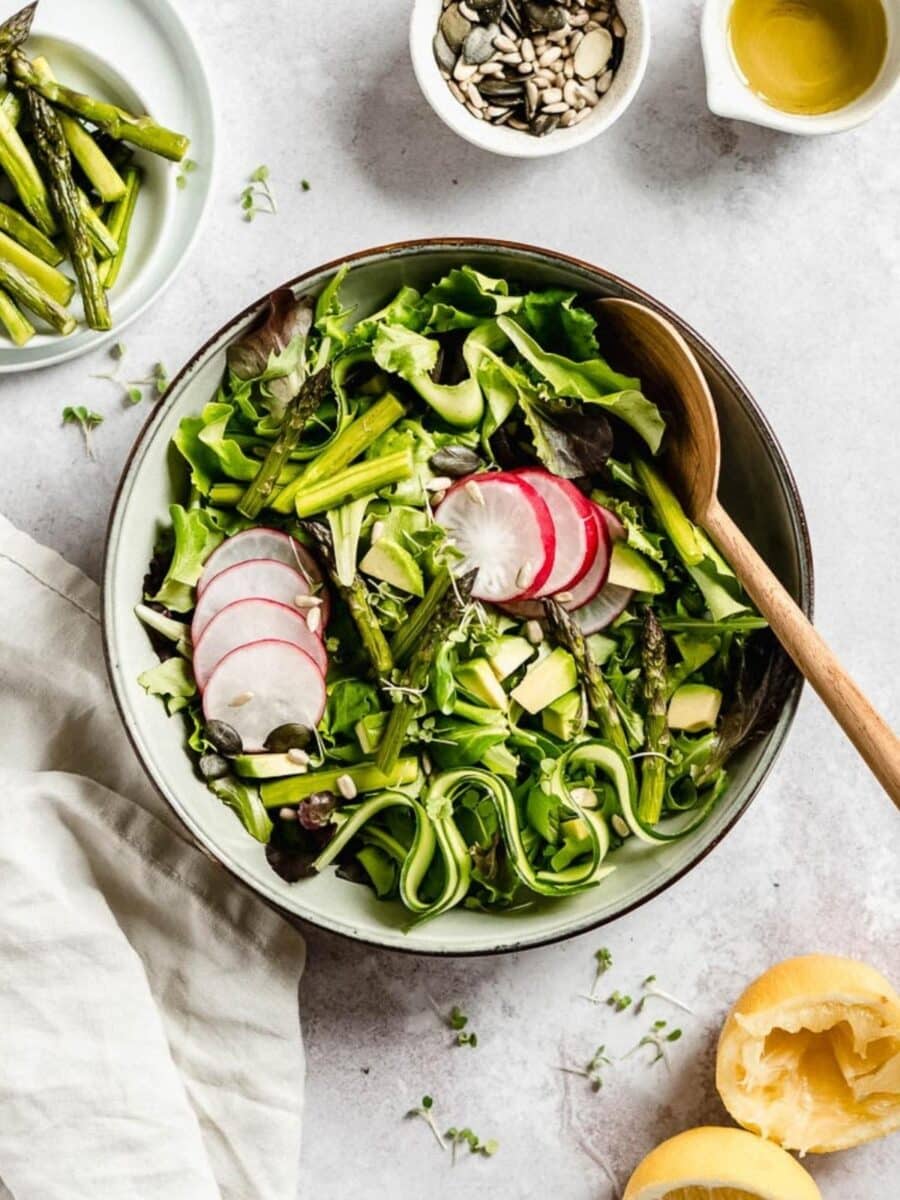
(529, 65)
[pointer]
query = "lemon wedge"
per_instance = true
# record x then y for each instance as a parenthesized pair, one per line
(810, 1055)
(720, 1164)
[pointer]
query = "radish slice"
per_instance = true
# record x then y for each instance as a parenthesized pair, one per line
(609, 603)
(258, 687)
(260, 543)
(248, 621)
(616, 529)
(585, 590)
(575, 528)
(260, 578)
(503, 529)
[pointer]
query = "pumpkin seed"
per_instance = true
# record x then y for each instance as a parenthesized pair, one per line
(224, 737)
(455, 461)
(502, 89)
(454, 26)
(288, 737)
(445, 55)
(593, 54)
(544, 124)
(214, 766)
(546, 16)
(479, 45)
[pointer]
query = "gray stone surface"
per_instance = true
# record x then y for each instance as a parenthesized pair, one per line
(786, 254)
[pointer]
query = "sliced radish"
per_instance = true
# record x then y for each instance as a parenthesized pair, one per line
(260, 543)
(583, 591)
(575, 528)
(254, 620)
(257, 688)
(616, 529)
(503, 528)
(259, 578)
(609, 603)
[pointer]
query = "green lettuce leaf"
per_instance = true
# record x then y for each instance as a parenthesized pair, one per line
(413, 357)
(465, 297)
(349, 700)
(196, 536)
(331, 315)
(173, 680)
(405, 309)
(245, 801)
(593, 382)
(554, 319)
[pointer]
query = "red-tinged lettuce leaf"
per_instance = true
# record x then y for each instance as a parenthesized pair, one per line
(569, 442)
(273, 353)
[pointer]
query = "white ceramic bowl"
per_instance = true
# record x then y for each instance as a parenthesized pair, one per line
(728, 95)
(757, 489)
(138, 53)
(511, 142)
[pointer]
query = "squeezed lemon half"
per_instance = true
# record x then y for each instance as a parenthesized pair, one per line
(710, 1163)
(810, 1055)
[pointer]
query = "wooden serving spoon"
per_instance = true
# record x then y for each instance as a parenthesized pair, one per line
(649, 346)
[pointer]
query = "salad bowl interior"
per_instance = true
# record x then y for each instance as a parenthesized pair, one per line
(756, 487)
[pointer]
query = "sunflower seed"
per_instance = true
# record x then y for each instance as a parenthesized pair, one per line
(604, 83)
(287, 814)
(474, 110)
(298, 757)
(584, 796)
(559, 107)
(469, 13)
(493, 111)
(551, 96)
(314, 620)
(525, 575)
(618, 27)
(507, 113)
(511, 60)
(304, 602)
(346, 787)
(619, 826)
(473, 491)
(549, 56)
(527, 50)
(532, 96)
(491, 68)
(567, 119)
(571, 95)
(583, 115)
(502, 42)
(534, 632)
(241, 699)
(474, 95)
(569, 69)
(525, 68)
(464, 71)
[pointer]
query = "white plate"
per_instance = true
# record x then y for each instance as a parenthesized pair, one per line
(137, 53)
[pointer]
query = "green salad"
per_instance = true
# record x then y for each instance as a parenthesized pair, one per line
(432, 613)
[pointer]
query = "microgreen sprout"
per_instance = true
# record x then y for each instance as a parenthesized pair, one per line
(458, 1022)
(657, 1037)
(593, 1071)
(86, 420)
(424, 1110)
(304, 185)
(457, 1137)
(617, 1001)
(117, 351)
(258, 191)
(651, 991)
(188, 166)
(604, 960)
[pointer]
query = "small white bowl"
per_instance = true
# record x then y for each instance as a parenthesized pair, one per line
(512, 142)
(728, 94)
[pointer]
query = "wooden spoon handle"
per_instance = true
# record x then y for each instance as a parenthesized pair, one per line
(869, 732)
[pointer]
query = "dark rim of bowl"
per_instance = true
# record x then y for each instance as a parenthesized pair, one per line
(777, 456)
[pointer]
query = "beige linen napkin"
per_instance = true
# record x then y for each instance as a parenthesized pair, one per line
(149, 1035)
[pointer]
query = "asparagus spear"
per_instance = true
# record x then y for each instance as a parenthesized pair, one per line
(354, 482)
(653, 766)
(120, 226)
(356, 597)
(105, 179)
(347, 446)
(54, 152)
(18, 165)
(297, 413)
(410, 631)
(14, 321)
(58, 286)
(139, 131)
(601, 700)
(446, 616)
(103, 243)
(14, 31)
(30, 294)
(11, 105)
(29, 236)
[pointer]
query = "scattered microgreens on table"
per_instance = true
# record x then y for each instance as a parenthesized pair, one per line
(458, 1022)
(257, 196)
(592, 1071)
(305, 185)
(86, 420)
(657, 1038)
(187, 168)
(132, 389)
(455, 1136)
